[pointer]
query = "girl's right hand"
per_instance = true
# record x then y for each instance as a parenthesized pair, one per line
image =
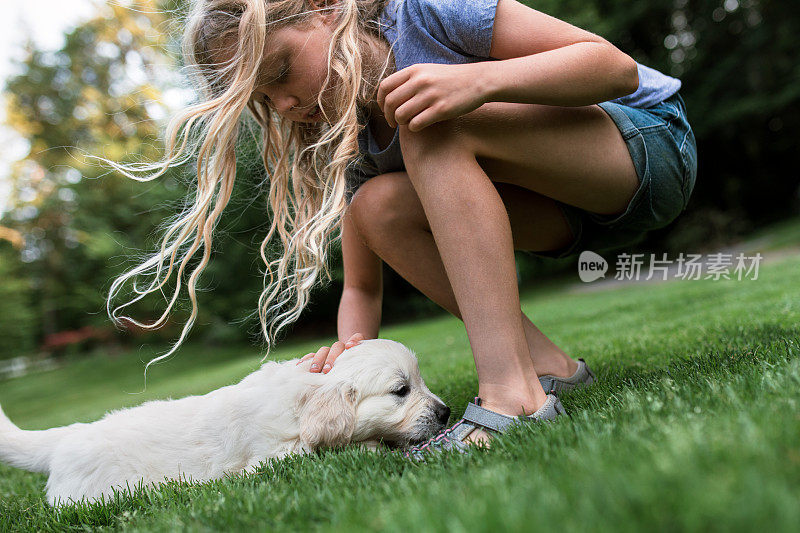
(322, 360)
(426, 93)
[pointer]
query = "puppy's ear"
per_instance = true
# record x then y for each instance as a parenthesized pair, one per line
(328, 416)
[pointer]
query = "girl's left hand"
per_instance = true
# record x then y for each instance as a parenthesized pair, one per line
(425, 93)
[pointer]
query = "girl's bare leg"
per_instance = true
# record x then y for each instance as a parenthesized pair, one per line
(473, 235)
(577, 154)
(391, 222)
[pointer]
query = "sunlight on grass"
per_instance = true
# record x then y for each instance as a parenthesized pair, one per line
(693, 424)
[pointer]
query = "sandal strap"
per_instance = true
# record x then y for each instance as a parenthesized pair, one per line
(479, 416)
(476, 416)
(588, 370)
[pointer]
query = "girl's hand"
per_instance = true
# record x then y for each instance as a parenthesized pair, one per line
(323, 359)
(423, 94)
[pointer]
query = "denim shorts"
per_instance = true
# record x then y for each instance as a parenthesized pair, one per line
(662, 145)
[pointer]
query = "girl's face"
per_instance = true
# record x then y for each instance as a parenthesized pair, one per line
(294, 69)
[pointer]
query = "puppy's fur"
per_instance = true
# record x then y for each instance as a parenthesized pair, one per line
(373, 393)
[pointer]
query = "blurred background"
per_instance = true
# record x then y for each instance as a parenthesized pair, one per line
(86, 76)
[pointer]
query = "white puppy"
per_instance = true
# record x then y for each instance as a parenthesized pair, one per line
(373, 393)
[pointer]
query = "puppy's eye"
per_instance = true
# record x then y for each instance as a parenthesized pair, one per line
(402, 391)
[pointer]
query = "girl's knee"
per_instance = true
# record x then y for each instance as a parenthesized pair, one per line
(445, 137)
(381, 200)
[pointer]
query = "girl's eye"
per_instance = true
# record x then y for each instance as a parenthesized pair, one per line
(402, 391)
(284, 75)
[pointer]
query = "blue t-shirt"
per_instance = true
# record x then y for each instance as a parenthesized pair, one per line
(456, 32)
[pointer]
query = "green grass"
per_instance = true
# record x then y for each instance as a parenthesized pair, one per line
(777, 236)
(693, 425)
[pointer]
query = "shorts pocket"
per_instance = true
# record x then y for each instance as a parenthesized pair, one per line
(667, 111)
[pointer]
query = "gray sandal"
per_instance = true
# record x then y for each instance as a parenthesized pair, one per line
(581, 378)
(479, 417)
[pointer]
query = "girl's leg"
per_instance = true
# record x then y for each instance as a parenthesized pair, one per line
(473, 235)
(471, 228)
(390, 220)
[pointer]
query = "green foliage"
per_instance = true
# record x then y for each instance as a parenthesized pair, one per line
(17, 311)
(77, 218)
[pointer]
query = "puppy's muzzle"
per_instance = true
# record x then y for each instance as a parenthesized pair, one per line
(434, 422)
(442, 413)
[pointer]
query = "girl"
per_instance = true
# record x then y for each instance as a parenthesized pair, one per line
(438, 136)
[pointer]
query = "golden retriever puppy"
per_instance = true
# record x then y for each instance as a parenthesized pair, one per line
(374, 393)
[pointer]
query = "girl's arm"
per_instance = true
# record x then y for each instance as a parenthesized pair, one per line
(362, 296)
(548, 61)
(543, 60)
(360, 307)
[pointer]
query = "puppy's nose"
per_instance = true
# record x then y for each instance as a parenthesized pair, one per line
(442, 413)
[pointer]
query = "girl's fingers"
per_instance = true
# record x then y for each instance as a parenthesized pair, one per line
(424, 119)
(395, 100)
(306, 357)
(390, 84)
(354, 340)
(409, 110)
(322, 360)
(336, 351)
(319, 359)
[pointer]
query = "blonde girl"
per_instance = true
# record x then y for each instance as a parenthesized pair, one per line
(437, 136)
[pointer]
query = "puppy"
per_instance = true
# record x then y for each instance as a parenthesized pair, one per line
(373, 393)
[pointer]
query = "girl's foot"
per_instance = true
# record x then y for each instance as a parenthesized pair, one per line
(582, 377)
(477, 418)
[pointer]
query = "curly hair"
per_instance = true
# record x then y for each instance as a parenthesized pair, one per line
(306, 163)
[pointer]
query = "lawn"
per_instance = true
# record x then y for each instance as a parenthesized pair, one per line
(693, 425)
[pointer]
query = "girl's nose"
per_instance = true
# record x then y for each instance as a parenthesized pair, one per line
(283, 102)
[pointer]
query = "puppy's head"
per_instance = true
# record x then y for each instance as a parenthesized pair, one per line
(373, 393)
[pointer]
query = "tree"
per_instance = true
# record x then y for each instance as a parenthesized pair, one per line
(97, 95)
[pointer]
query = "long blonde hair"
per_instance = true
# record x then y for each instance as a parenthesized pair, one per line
(306, 162)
